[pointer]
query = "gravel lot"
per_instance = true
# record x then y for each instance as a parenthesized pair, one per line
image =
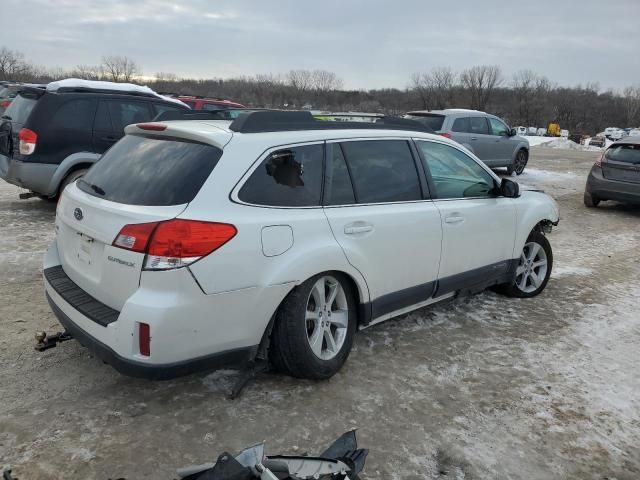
(478, 388)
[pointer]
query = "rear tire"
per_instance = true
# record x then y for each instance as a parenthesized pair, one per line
(70, 178)
(534, 268)
(314, 328)
(590, 201)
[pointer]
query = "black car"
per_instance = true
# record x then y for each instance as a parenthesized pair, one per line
(50, 136)
(616, 175)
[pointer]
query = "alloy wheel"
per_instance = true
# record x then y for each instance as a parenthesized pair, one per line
(327, 317)
(521, 162)
(532, 269)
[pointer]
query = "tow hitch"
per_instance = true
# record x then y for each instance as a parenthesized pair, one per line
(45, 342)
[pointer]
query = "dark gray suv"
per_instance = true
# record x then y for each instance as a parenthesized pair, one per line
(486, 135)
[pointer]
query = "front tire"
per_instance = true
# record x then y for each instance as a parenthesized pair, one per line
(519, 164)
(314, 328)
(534, 268)
(590, 201)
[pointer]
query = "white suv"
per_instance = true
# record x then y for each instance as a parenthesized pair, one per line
(196, 244)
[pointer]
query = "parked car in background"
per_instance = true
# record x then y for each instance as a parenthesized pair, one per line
(598, 141)
(616, 174)
(610, 131)
(176, 251)
(634, 132)
(532, 131)
(541, 132)
(578, 138)
(50, 136)
(522, 131)
(486, 135)
(564, 133)
(209, 104)
(553, 130)
(617, 134)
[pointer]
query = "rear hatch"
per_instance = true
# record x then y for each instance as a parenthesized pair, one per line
(13, 119)
(141, 179)
(621, 162)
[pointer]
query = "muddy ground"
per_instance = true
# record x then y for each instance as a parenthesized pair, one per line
(479, 388)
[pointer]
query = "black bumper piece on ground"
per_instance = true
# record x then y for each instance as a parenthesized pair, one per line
(232, 358)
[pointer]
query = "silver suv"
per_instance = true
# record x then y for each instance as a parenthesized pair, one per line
(486, 135)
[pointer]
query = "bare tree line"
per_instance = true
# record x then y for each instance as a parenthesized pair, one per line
(525, 98)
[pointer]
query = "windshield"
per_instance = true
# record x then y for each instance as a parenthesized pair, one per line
(156, 171)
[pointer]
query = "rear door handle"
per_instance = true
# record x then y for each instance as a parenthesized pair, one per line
(358, 227)
(109, 139)
(454, 219)
(474, 138)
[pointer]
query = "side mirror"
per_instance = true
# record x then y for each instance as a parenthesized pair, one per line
(512, 132)
(509, 188)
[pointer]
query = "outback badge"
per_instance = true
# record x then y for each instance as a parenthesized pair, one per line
(78, 214)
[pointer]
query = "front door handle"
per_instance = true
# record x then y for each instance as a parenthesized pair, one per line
(454, 219)
(110, 139)
(357, 227)
(474, 138)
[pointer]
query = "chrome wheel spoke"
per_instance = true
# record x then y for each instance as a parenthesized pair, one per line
(316, 340)
(539, 263)
(533, 251)
(311, 316)
(333, 292)
(522, 284)
(331, 342)
(340, 318)
(319, 295)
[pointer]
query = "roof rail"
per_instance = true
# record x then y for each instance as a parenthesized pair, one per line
(193, 115)
(79, 89)
(284, 121)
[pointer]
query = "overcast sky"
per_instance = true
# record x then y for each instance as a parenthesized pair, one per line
(368, 43)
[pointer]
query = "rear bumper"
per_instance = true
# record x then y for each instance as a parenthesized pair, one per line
(32, 176)
(190, 331)
(133, 368)
(604, 189)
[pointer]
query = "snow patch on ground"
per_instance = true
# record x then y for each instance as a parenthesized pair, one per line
(561, 144)
(566, 270)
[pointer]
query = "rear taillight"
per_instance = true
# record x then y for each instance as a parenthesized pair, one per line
(5, 103)
(445, 135)
(28, 139)
(174, 243)
(599, 160)
(135, 237)
(144, 339)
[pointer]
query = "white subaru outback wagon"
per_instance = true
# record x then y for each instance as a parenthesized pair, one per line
(193, 245)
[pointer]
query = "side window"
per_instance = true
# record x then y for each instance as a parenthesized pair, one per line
(102, 121)
(291, 177)
(163, 107)
(382, 171)
(498, 128)
(75, 114)
(478, 125)
(340, 192)
(455, 174)
(125, 113)
(461, 125)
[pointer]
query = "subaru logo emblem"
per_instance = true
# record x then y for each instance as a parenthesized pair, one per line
(78, 214)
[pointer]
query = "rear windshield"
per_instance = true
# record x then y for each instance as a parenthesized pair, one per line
(433, 121)
(624, 153)
(151, 171)
(20, 108)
